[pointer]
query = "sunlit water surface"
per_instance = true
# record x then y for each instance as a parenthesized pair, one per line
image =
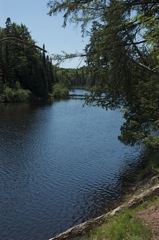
(60, 164)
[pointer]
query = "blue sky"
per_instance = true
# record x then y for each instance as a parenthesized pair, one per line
(43, 28)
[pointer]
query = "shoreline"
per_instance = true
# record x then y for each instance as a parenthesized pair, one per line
(143, 194)
(140, 189)
(83, 228)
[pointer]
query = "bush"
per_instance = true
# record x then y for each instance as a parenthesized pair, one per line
(60, 91)
(15, 95)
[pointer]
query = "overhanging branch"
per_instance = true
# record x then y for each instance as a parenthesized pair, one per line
(17, 40)
(66, 56)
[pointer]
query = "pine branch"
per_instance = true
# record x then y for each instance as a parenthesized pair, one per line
(59, 58)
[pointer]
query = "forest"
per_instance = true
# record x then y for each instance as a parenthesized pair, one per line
(25, 68)
(27, 72)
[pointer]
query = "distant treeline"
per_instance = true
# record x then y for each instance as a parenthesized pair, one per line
(80, 77)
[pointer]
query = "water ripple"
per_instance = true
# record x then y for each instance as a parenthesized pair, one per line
(60, 164)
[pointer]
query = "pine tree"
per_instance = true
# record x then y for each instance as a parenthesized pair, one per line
(123, 55)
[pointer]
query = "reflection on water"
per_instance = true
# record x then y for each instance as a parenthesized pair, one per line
(60, 164)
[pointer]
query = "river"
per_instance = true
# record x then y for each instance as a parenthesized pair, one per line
(60, 164)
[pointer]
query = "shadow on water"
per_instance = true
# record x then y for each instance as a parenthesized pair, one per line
(60, 164)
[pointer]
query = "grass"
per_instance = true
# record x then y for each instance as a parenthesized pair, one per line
(147, 204)
(124, 226)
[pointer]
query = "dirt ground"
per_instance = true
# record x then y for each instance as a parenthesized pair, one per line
(150, 218)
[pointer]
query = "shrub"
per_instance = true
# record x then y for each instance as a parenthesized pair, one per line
(15, 95)
(60, 91)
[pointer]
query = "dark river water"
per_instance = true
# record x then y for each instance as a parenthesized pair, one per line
(60, 164)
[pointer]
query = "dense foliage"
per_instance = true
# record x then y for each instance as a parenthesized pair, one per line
(123, 55)
(80, 77)
(23, 65)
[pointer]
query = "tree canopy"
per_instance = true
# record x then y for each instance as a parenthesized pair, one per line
(23, 63)
(123, 57)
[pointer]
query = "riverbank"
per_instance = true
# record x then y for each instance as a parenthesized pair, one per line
(141, 205)
(145, 207)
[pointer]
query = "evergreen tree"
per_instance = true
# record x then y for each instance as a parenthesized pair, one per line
(23, 62)
(123, 55)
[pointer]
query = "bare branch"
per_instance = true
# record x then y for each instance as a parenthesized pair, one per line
(154, 72)
(17, 40)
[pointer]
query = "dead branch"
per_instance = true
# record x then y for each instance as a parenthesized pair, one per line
(17, 40)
